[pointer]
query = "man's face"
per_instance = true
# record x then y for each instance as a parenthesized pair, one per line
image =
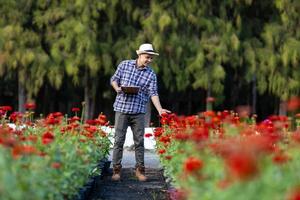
(145, 59)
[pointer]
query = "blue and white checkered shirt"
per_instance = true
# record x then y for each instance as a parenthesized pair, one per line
(127, 74)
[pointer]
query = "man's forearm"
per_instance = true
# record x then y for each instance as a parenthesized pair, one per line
(156, 103)
(116, 87)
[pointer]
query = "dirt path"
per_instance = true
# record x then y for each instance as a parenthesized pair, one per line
(129, 188)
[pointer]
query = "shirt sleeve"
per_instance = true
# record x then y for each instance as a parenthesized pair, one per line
(117, 75)
(153, 86)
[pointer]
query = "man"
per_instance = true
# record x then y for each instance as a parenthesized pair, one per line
(130, 106)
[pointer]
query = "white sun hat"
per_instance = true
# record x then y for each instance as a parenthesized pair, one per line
(146, 48)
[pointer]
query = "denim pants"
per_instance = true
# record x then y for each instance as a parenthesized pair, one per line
(137, 124)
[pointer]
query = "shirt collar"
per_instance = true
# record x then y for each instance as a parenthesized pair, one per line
(139, 68)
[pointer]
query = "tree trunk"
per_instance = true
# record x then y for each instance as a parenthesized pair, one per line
(21, 96)
(254, 94)
(86, 95)
(208, 94)
(89, 96)
(93, 102)
(190, 101)
(282, 108)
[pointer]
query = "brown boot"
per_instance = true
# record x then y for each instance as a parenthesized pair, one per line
(116, 173)
(140, 173)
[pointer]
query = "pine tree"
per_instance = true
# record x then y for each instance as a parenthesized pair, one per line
(22, 56)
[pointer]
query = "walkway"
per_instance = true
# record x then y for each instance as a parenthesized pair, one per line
(129, 188)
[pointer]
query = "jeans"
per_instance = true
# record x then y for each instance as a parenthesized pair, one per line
(137, 124)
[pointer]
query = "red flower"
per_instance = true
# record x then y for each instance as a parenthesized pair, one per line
(102, 120)
(47, 137)
(181, 136)
(148, 135)
(91, 129)
(57, 114)
(90, 122)
(209, 113)
(15, 116)
(158, 132)
(51, 119)
(56, 165)
(2, 113)
(294, 194)
(293, 103)
(165, 139)
(162, 151)
(74, 119)
(242, 165)
(75, 109)
(6, 108)
(192, 164)
(200, 134)
(168, 157)
(32, 138)
(280, 158)
(30, 106)
(165, 118)
(23, 150)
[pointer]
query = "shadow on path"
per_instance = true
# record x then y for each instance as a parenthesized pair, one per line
(129, 188)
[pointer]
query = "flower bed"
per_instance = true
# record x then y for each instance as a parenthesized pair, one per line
(226, 156)
(50, 158)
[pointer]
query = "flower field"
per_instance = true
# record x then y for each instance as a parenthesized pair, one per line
(50, 157)
(227, 155)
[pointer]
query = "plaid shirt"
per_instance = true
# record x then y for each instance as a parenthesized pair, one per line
(127, 74)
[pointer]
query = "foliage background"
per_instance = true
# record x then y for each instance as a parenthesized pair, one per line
(60, 53)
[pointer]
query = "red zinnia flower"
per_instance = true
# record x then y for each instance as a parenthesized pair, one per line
(162, 151)
(294, 194)
(158, 132)
(200, 134)
(280, 158)
(75, 109)
(47, 137)
(168, 157)
(56, 165)
(242, 165)
(15, 116)
(91, 129)
(30, 106)
(293, 103)
(181, 136)
(147, 135)
(102, 120)
(165, 139)
(74, 119)
(51, 119)
(90, 122)
(23, 150)
(192, 164)
(6, 108)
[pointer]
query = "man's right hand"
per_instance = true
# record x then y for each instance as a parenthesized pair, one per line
(118, 90)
